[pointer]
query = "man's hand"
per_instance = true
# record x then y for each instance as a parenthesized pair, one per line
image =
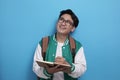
(57, 68)
(61, 60)
(54, 69)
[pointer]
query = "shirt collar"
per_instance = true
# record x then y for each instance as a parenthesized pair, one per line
(65, 43)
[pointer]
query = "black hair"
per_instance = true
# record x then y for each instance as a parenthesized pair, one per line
(72, 14)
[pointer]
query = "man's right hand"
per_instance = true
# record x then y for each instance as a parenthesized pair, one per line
(54, 69)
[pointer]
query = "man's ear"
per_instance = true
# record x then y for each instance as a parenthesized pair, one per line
(73, 28)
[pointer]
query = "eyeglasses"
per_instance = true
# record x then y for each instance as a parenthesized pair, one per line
(67, 22)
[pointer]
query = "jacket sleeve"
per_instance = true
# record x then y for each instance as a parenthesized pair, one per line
(79, 67)
(39, 71)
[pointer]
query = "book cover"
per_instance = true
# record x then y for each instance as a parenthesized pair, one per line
(53, 64)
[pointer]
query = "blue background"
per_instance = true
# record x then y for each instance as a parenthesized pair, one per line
(24, 22)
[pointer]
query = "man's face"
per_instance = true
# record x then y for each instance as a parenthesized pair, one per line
(65, 24)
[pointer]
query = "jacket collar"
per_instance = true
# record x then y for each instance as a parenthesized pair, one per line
(65, 43)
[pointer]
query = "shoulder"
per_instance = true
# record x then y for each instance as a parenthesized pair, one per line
(46, 38)
(78, 43)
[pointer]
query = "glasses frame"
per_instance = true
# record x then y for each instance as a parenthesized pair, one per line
(67, 22)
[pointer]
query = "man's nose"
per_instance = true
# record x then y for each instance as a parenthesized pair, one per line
(63, 23)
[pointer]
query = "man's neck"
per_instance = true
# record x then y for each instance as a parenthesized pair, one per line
(61, 38)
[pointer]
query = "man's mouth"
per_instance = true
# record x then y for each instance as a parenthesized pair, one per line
(62, 27)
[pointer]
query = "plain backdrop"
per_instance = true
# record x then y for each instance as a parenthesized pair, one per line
(24, 22)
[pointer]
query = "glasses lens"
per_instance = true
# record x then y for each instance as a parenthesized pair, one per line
(67, 22)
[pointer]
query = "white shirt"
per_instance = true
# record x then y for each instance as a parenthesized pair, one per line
(59, 75)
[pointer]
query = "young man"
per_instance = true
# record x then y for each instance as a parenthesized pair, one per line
(58, 50)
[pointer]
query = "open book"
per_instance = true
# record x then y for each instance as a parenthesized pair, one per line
(53, 64)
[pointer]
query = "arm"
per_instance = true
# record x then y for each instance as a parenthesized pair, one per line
(39, 71)
(79, 67)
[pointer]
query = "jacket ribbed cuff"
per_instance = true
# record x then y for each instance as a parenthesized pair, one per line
(46, 73)
(73, 67)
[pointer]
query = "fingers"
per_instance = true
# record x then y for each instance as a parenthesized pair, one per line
(54, 69)
(56, 66)
(60, 60)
